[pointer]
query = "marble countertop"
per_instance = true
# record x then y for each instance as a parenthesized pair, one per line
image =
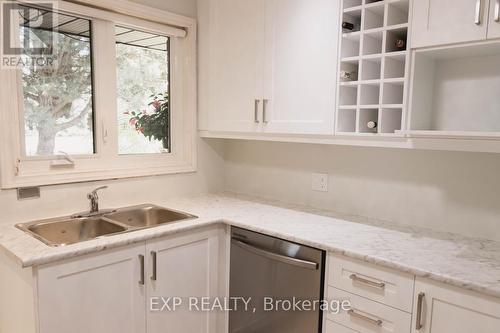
(469, 263)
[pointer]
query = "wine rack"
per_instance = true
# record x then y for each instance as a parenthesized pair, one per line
(373, 67)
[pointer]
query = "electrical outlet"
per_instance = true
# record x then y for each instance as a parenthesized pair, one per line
(319, 182)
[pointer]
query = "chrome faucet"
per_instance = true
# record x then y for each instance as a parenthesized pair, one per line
(94, 200)
(94, 205)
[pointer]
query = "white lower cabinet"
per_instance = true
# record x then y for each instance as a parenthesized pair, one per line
(96, 293)
(111, 291)
(380, 299)
(384, 300)
(378, 284)
(445, 309)
(186, 268)
(367, 316)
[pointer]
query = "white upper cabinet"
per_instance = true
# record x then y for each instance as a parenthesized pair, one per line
(494, 19)
(300, 65)
(236, 66)
(273, 65)
(437, 22)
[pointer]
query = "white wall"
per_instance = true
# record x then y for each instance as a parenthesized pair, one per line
(450, 191)
(68, 199)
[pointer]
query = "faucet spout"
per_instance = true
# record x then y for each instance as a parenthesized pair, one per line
(94, 199)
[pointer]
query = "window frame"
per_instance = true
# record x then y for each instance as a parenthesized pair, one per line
(106, 162)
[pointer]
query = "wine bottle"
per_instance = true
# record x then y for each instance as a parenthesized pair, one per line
(347, 25)
(371, 124)
(348, 76)
(400, 44)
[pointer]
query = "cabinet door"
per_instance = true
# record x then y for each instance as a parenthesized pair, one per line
(187, 267)
(301, 65)
(438, 22)
(237, 48)
(445, 309)
(494, 19)
(99, 293)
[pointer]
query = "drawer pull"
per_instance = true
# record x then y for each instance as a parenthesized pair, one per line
(479, 6)
(154, 273)
(420, 304)
(497, 11)
(264, 111)
(256, 111)
(141, 274)
(370, 283)
(374, 321)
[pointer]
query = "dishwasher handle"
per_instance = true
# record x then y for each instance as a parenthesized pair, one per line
(275, 256)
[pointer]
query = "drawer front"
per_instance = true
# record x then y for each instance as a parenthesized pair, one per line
(332, 327)
(376, 283)
(367, 316)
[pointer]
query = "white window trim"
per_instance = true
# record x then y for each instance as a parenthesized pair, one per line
(17, 171)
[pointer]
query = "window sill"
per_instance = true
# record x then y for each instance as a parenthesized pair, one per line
(76, 175)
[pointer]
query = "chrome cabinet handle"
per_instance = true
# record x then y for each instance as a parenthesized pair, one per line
(420, 302)
(370, 283)
(355, 313)
(153, 273)
(497, 11)
(264, 111)
(479, 5)
(275, 256)
(256, 111)
(141, 263)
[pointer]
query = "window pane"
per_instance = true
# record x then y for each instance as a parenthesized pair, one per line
(57, 92)
(143, 86)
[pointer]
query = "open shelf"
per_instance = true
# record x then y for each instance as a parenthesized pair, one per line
(348, 96)
(352, 3)
(394, 67)
(350, 45)
(346, 120)
(397, 12)
(390, 120)
(393, 93)
(377, 93)
(370, 94)
(371, 69)
(455, 89)
(373, 17)
(372, 43)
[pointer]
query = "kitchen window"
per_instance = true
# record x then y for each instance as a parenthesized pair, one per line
(142, 66)
(117, 98)
(57, 98)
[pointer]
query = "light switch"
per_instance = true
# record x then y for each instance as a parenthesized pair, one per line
(319, 182)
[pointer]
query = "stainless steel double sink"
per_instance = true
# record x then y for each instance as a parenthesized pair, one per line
(65, 231)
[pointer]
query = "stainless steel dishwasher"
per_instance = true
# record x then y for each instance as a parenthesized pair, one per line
(269, 271)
